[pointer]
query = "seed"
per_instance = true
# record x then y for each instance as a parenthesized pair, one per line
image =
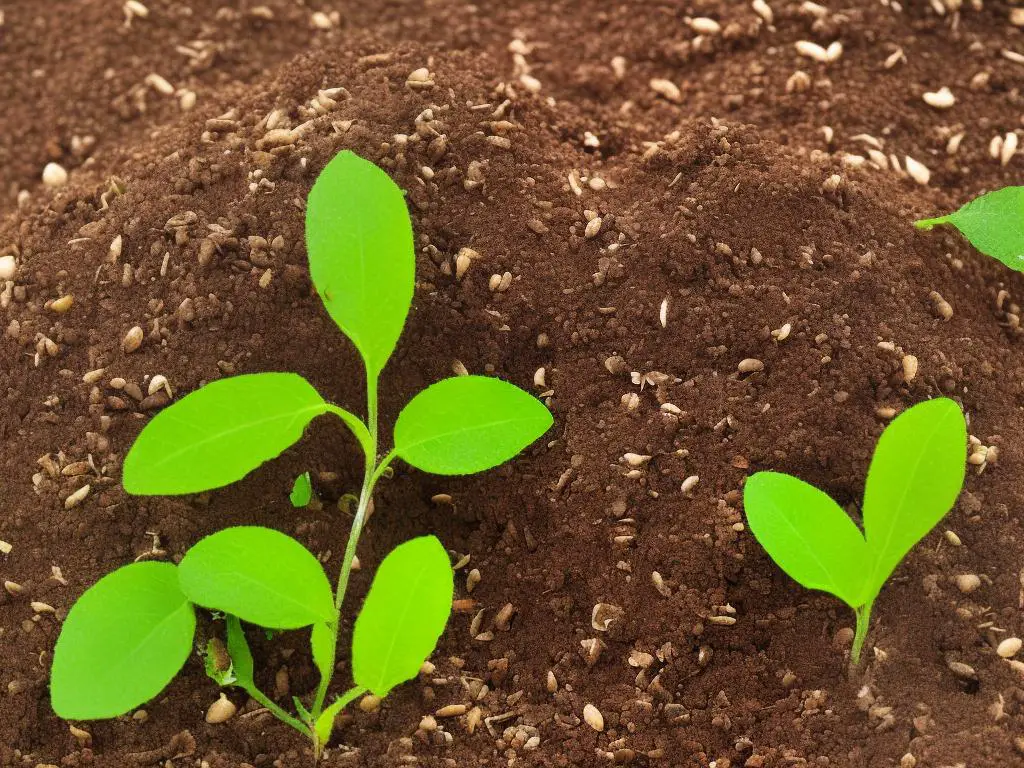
(953, 145)
(798, 82)
(812, 51)
(965, 671)
(419, 79)
(603, 615)
(619, 67)
(750, 365)
(472, 579)
(1017, 17)
(917, 171)
(953, 539)
(1009, 647)
(321, 20)
(762, 9)
(473, 719)
(503, 619)
(5, 547)
(940, 99)
(592, 716)
(834, 51)
(667, 89)
(187, 100)
(132, 340)
(967, 582)
(369, 703)
(157, 383)
(39, 607)
(1009, 148)
(659, 584)
(782, 333)
(909, 368)
(222, 710)
(593, 228)
(636, 460)
(84, 738)
(689, 484)
(54, 175)
(942, 307)
(663, 313)
(13, 587)
(77, 497)
(539, 378)
(552, 682)
(452, 710)
(894, 58)
(726, 621)
(8, 267)
(531, 83)
(705, 26)
(63, 304)
(135, 8)
(462, 262)
(159, 84)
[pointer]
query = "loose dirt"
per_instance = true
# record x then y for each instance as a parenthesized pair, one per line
(756, 195)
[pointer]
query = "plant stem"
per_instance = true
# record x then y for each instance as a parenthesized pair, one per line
(279, 713)
(927, 224)
(863, 618)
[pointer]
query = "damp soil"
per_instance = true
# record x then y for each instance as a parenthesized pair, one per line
(748, 201)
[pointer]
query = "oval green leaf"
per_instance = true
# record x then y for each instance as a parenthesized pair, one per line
(467, 424)
(807, 534)
(219, 433)
(404, 614)
(259, 575)
(993, 223)
(302, 491)
(916, 474)
(361, 258)
(322, 643)
(122, 643)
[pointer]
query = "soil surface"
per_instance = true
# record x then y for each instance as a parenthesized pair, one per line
(759, 195)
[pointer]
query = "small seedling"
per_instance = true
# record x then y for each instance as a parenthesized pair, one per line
(916, 474)
(302, 491)
(131, 632)
(993, 223)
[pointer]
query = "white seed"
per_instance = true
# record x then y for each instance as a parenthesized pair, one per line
(77, 497)
(116, 247)
(834, 51)
(953, 539)
(663, 313)
(1009, 148)
(539, 378)
(159, 84)
(689, 484)
(1009, 647)
(593, 228)
(953, 145)
(917, 170)
(592, 716)
(909, 368)
(894, 58)
(552, 682)
(667, 89)
(967, 582)
(702, 25)
(530, 83)
(762, 9)
(8, 267)
(159, 382)
(39, 607)
(472, 579)
(222, 710)
(1017, 17)
(135, 8)
(132, 340)
(782, 333)
(54, 175)
(63, 304)
(619, 67)
(419, 78)
(940, 99)
(321, 20)
(995, 147)
(6, 547)
(636, 460)
(750, 365)
(812, 51)
(187, 100)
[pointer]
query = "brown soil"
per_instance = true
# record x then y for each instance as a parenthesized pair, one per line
(722, 204)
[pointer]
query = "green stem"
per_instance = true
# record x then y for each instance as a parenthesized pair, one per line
(371, 473)
(927, 224)
(863, 619)
(279, 713)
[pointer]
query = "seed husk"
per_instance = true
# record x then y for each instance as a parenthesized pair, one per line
(592, 716)
(222, 710)
(132, 340)
(750, 365)
(77, 497)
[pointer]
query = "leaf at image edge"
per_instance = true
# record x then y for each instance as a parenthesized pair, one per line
(993, 223)
(121, 643)
(403, 616)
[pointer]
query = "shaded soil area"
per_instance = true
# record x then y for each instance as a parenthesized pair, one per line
(758, 195)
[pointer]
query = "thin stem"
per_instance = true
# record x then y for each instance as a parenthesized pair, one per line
(927, 224)
(279, 713)
(863, 619)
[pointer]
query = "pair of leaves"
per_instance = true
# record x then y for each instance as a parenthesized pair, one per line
(993, 223)
(131, 632)
(916, 474)
(220, 433)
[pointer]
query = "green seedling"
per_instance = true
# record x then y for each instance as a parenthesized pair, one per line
(993, 223)
(916, 474)
(131, 632)
(302, 491)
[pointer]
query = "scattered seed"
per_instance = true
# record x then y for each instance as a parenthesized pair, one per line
(1009, 148)
(636, 460)
(77, 497)
(135, 8)
(666, 89)
(940, 99)
(552, 682)
(6, 547)
(369, 703)
(419, 79)
(8, 267)
(750, 365)
(894, 58)
(953, 539)
(762, 9)
(1009, 647)
(593, 228)
(592, 716)
(941, 307)
(689, 484)
(159, 84)
(965, 671)
(782, 333)
(909, 368)
(603, 614)
(917, 171)
(452, 710)
(321, 20)
(472, 579)
(222, 710)
(967, 582)
(663, 313)
(39, 607)
(54, 175)
(63, 304)
(702, 25)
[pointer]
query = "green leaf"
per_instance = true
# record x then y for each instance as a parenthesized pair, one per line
(302, 491)
(259, 575)
(807, 534)
(916, 474)
(219, 433)
(467, 424)
(217, 663)
(404, 615)
(325, 723)
(122, 643)
(361, 258)
(241, 656)
(994, 223)
(322, 643)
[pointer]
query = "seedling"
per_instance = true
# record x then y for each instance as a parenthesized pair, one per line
(131, 632)
(993, 223)
(915, 476)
